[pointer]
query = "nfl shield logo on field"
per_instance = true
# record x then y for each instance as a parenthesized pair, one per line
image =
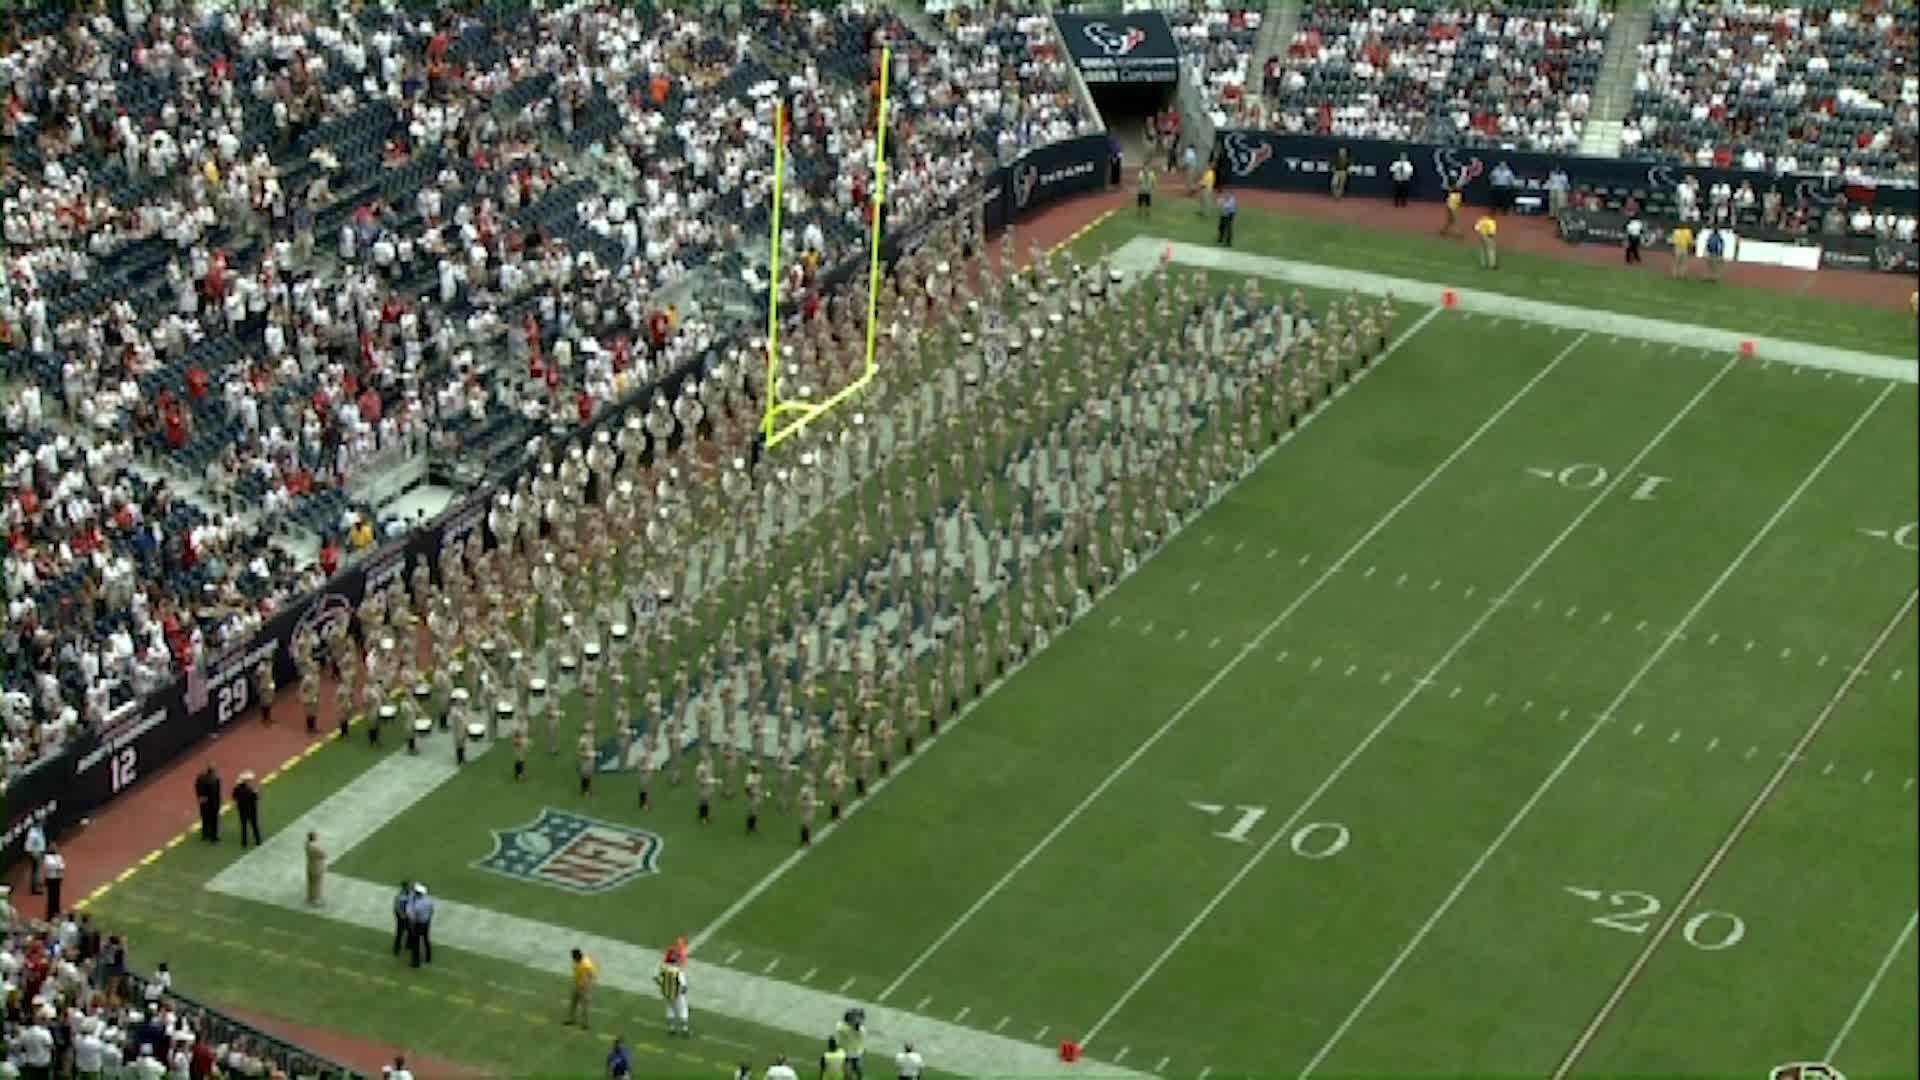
(575, 853)
(1807, 1070)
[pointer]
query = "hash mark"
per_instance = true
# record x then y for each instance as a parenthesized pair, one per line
(1041, 1035)
(1528, 707)
(1162, 1067)
(1115, 622)
(1897, 672)
(1563, 712)
(808, 977)
(1207, 539)
(1715, 639)
(1822, 661)
(1402, 580)
(1004, 1021)
(771, 964)
(1182, 635)
(1640, 627)
(1282, 658)
(1867, 779)
(1273, 553)
(1673, 738)
(1351, 668)
(1214, 644)
(1828, 771)
(1606, 617)
(735, 956)
(1491, 698)
(962, 1014)
(1122, 1055)
(1193, 588)
(1536, 603)
(1908, 786)
(1435, 586)
(1786, 652)
(1204, 1072)
(1386, 677)
(924, 1002)
(1637, 729)
(1369, 572)
(844, 985)
(1713, 742)
(1303, 559)
(1456, 692)
(1147, 629)
(1572, 611)
(1316, 664)
(1748, 756)
(1239, 547)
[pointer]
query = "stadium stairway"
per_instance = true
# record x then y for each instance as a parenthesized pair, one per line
(1613, 92)
(1276, 30)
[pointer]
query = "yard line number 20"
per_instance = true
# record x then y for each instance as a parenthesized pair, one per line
(1633, 912)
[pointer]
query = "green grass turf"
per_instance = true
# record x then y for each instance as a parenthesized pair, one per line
(1504, 982)
(1424, 257)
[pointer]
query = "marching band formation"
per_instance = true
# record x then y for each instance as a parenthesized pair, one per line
(786, 627)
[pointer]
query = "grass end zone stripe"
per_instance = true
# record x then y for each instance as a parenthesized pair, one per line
(1873, 984)
(1665, 929)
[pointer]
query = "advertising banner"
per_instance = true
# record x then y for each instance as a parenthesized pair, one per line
(1137, 47)
(1755, 245)
(1277, 162)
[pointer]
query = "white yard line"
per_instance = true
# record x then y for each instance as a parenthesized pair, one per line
(1234, 662)
(1873, 985)
(786, 865)
(1799, 354)
(1752, 811)
(1285, 830)
(1593, 729)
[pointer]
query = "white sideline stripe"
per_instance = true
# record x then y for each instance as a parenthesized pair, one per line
(1753, 809)
(1795, 353)
(1285, 830)
(1873, 985)
(786, 865)
(1593, 729)
(1234, 662)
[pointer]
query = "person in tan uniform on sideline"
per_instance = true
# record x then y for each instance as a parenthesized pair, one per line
(316, 869)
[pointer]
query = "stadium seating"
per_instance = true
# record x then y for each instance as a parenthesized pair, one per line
(1518, 73)
(1779, 87)
(283, 266)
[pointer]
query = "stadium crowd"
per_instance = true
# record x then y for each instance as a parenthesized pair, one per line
(1787, 88)
(256, 254)
(73, 1006)
(1515, 75)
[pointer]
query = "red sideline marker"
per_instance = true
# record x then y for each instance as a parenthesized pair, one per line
(1167, 256)
(1450, 299)
(1746, 349)
(1069, 1051)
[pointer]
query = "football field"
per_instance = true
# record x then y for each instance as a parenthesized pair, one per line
(1546, 706)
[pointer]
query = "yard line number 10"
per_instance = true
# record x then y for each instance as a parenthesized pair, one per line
(1632, 912)
(1314, 840)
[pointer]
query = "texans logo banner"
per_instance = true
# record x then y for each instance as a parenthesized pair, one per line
(1134, 48)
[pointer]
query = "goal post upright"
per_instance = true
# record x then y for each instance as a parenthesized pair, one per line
(772, 430)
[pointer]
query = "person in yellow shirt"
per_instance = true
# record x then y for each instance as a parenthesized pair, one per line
(362, 535)
(1489, 251)
(1453, 212)
(586, 975)
(1205, 207)
(1682, 249)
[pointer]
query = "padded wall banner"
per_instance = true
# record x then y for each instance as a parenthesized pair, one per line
(1263, 159)
(1134, 48)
